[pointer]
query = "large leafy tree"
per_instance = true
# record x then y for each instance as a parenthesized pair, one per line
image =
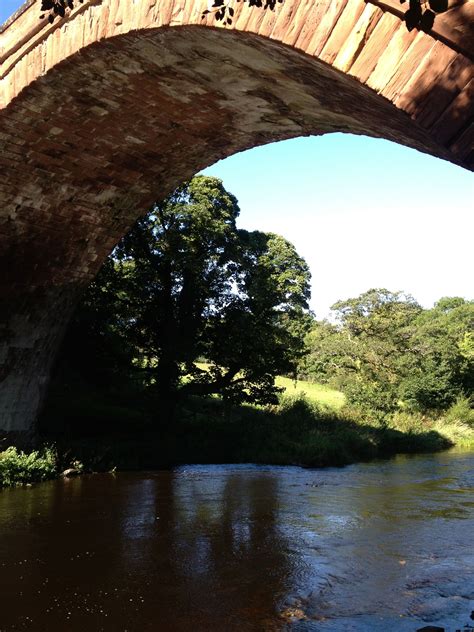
(375, 329)
(184, 284)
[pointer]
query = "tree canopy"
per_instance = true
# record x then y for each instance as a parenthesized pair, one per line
(186, 284)
(387, 353)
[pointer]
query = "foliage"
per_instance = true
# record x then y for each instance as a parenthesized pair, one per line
(223, 10)
(57, 8)
(19, 468)
(387, 354)
(421, 14)
(184, 284)
(461, 412)
(94, 332)
(376, 313)
(440, 367)
(457, 424)
(359, 353)
(304, 427)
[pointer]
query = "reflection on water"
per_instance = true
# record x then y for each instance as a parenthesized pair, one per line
(371, 547)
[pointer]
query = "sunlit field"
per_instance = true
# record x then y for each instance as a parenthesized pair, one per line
(317, 393)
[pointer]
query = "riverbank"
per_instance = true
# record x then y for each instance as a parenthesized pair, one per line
(300, 430)
(296, 432)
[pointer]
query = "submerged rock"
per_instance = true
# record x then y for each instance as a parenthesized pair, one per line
(70, 472)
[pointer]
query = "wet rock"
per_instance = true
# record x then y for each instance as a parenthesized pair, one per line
(293, 613)
(70, 472)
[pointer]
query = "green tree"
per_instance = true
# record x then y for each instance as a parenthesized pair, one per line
(379, 324)
(329, 355)
(363, 351)
(377, 313)
(94, 349)
(441, 365)
(185, 284)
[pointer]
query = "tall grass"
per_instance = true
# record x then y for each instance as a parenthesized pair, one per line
(458, 423)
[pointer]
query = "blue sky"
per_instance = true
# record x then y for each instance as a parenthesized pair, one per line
(363, 212)
(7, 7)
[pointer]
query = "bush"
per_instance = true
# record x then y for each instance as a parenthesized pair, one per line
(19, 468)
(375, 399)
(432, 388)
(462, 411)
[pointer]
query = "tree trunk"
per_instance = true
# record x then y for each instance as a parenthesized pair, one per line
(167, 375)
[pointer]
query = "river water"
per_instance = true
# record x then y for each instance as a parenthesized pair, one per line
(371, 547)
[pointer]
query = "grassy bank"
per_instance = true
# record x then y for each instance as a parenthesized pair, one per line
(316, 393)
(457, 429)
(297, 431)
(311, 426)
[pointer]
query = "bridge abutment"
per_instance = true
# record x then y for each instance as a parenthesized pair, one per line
(31, 326)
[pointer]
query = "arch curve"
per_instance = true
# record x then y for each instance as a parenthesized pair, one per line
(427, 76)
(112, 108)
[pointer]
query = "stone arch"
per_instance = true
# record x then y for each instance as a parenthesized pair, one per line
(109, 110)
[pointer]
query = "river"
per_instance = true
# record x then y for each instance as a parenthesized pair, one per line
(372, 547)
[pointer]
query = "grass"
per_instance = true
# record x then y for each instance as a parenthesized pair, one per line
(458, 433)
(316, 393)
(296, 431)
(311, 426)
(456, 425)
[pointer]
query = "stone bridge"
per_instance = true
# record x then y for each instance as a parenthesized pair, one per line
(107, 110)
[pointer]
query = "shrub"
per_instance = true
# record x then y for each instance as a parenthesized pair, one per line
(19, 468)
(462, 411)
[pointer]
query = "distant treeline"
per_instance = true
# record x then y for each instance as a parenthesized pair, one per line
(388, 354)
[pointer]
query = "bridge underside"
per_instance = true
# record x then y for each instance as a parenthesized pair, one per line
(89, 146)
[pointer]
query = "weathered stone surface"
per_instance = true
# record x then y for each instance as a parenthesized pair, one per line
(110, 109)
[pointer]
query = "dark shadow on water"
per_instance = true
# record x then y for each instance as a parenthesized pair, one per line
(153, 552)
